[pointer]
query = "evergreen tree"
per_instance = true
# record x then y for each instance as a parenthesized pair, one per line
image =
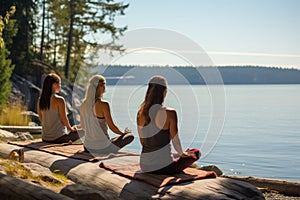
(73, 23)
(65, 39)
(21, 49)
(7, 31)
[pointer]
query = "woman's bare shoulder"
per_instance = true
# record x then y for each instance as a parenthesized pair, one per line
(169, 109)
(171, 112)
(102, 105)
(102, 102)
(58, 98)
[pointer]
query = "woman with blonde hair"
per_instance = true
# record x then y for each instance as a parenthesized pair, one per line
(95, 118)
(52, 113)
(157, 127)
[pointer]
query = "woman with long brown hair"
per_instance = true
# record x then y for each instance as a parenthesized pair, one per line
(157, 127)
(52, 113)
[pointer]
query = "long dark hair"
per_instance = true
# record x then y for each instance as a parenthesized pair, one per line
(154, 95)
(46, 93)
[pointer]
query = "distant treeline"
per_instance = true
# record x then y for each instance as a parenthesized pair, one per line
(128, 75)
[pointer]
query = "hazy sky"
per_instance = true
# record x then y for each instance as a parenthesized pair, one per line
(231, 32)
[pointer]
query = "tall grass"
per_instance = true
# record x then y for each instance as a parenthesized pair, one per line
(12, 114)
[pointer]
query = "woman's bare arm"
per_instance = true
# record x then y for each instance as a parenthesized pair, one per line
(140, 134)
(81, 124)
(172, 115)
(140, 124)
(61, 105)
(109, 120)
(39, 111)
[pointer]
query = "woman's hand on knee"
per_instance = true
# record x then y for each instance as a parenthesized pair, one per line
(188, 154)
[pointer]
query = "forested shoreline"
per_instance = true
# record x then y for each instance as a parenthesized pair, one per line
(130, 75)
(61, 36)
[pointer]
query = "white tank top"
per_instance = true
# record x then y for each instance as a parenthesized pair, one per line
(96, 136)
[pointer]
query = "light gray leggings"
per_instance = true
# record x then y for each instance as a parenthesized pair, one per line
(116, 144)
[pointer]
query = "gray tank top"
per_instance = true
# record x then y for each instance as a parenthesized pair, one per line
(52, 127)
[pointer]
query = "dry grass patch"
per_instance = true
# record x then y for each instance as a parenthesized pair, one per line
(16, 169)
(12, 114)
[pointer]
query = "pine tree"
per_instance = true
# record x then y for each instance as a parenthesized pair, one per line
(7, 31)
(6, 69)
(72, 21)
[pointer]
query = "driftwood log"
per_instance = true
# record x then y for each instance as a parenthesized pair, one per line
(289, 188)
(118, 187)
(31, 129)
(17, 189)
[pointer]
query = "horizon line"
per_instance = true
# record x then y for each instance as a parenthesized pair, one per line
(220, 65)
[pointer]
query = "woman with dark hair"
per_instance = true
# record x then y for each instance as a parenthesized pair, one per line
(157, 126)
(52, 113)
(95, 119)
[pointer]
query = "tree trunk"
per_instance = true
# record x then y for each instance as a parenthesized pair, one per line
(70, 36)
(43, 31)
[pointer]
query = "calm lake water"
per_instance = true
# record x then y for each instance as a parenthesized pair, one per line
(247, 130)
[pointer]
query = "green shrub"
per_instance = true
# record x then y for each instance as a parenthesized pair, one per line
(6, 66)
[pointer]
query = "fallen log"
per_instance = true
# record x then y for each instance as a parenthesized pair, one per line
(31, 129)
(119, 187)
(17, 189)
(289, 188)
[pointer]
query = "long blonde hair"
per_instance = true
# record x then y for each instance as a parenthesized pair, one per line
(90, 95)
